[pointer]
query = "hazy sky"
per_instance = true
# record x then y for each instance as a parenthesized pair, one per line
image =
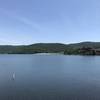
(64, 21)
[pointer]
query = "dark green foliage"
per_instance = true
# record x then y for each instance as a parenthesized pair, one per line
(71, 51)
(83, 48)
(87, 51)
(86, 44)
(32, 49)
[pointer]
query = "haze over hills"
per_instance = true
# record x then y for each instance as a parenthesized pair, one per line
(48, 48)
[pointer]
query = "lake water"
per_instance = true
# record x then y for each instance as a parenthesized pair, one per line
(49, 77)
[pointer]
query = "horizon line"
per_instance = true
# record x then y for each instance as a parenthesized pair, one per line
(48, 43)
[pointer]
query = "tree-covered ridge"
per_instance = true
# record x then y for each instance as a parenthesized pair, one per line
(83, 48)
(34, 48)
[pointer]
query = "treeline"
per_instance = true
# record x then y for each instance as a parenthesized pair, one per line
(83, 48)
(34, 48)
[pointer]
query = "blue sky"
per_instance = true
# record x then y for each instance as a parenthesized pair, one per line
(62, 21)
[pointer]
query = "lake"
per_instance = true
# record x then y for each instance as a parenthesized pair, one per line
(49, 77)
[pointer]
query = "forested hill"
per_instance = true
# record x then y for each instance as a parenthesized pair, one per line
(34, 48)
(51, 48)
(85, 44)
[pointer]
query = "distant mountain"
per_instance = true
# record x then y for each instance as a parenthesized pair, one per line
(86, 44)
(49, 48)
(83, 48)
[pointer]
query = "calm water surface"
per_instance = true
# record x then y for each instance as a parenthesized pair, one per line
(49, 77)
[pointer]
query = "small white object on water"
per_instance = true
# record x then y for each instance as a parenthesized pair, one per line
(13, 76)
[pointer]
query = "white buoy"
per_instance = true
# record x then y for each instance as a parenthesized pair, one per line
(13, 76)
